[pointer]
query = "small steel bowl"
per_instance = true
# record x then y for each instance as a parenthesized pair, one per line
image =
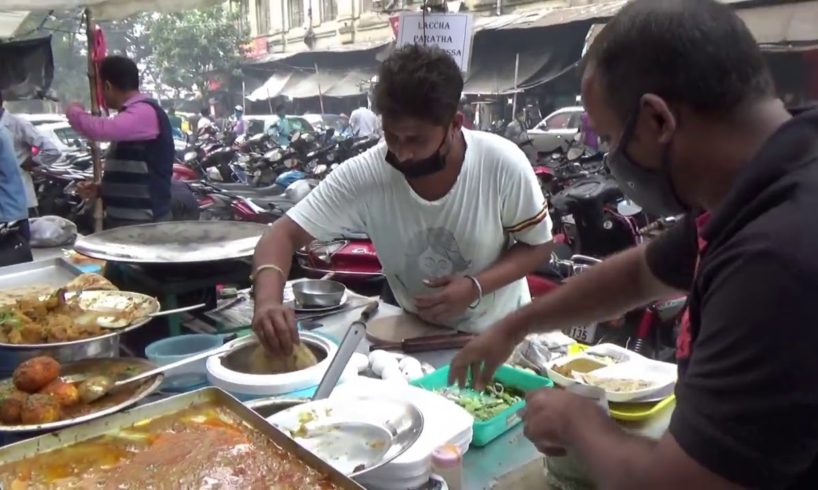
(318, 293)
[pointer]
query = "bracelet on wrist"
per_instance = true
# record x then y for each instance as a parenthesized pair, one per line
(479, 291)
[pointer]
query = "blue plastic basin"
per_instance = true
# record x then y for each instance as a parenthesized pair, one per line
(173, 349)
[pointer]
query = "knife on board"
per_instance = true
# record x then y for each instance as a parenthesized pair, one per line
(425, 344)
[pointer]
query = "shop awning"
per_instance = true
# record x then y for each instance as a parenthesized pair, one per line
(791, 25)
(273, 86)
(339, 73)
(301, 85)
(784, 27)
(111, 9)
(10, 22)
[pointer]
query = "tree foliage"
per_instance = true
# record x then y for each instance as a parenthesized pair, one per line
(189, 47)
(180, 51)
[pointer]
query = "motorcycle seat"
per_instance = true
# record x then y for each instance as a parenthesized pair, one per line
(282, 203)
(246, 190)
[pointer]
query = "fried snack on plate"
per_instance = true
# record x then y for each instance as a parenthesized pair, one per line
(32, 375)
(40, 409)
(66, 394)
(11, 406)
(90, 281)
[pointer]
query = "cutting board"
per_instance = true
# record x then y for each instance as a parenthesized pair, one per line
(396, 328)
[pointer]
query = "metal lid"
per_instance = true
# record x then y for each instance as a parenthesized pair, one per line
(174, 242)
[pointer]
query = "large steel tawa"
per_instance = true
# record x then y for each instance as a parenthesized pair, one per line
(174, 242)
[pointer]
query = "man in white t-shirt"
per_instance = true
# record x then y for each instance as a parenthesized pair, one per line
(457, 216)
(364, 122)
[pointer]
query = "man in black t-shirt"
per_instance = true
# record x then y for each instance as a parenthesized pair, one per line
(680, 92)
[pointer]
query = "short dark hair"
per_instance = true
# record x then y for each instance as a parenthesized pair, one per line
(419, 82)
(119, 71)
(695, 52)
(279, 108)
(205, 111)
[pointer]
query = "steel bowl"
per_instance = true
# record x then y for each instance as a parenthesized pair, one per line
(318, 293)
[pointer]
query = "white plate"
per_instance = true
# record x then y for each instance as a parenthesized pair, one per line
(355, 436)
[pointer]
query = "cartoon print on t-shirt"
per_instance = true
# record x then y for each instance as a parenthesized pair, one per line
(432, 253)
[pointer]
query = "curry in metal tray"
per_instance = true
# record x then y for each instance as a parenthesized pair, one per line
(204, 446)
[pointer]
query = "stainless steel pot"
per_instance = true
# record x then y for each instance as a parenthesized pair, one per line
(12, 355)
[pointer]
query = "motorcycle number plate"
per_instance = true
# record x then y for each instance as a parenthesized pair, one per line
(584, 334)
(569, 219)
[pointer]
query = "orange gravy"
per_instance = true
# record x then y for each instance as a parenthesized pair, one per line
(202, 447)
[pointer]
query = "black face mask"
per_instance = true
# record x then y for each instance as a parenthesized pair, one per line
(651, 189)
(419, 168)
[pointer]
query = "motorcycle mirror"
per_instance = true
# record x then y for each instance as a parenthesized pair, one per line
(574, 154)
(626, 207)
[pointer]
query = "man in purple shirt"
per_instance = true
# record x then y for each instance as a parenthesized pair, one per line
(136, 184)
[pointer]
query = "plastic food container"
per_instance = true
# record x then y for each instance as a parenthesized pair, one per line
(622, 364)
(486, 431)
(173, 349)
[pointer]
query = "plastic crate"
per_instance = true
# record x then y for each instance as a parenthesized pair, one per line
(486, 431)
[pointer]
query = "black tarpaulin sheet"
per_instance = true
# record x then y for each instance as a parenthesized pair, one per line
(26, 68)
(544, 54)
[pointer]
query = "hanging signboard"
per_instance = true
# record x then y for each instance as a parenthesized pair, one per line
(450, 32)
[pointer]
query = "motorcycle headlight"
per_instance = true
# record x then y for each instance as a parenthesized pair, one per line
(190, 156)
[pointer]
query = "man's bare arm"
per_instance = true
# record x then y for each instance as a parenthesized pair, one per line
(513, 264)
(606, 290)
(618, 460)
(277, 247)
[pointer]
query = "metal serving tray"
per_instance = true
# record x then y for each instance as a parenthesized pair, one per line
(174, 242)
(26, 449)
(54, 272)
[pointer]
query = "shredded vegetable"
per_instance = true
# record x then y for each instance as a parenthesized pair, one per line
(486, 404)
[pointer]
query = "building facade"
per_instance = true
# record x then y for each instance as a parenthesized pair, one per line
(290, 26)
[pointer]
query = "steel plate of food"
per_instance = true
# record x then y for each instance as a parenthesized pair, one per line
(191, 441)
(45, 395)
(85, 308)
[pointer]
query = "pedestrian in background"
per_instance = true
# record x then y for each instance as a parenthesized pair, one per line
(31, 147)
(364, 122)
(14, 230)
(136, 185)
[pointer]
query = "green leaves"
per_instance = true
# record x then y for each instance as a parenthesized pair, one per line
(189, 47)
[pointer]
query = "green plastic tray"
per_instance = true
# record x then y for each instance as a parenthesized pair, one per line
(486, 431)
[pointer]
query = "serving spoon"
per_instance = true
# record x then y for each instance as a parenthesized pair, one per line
(95, 387)
(114, 323)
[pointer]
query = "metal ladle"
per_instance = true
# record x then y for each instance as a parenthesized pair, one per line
(93, 388)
